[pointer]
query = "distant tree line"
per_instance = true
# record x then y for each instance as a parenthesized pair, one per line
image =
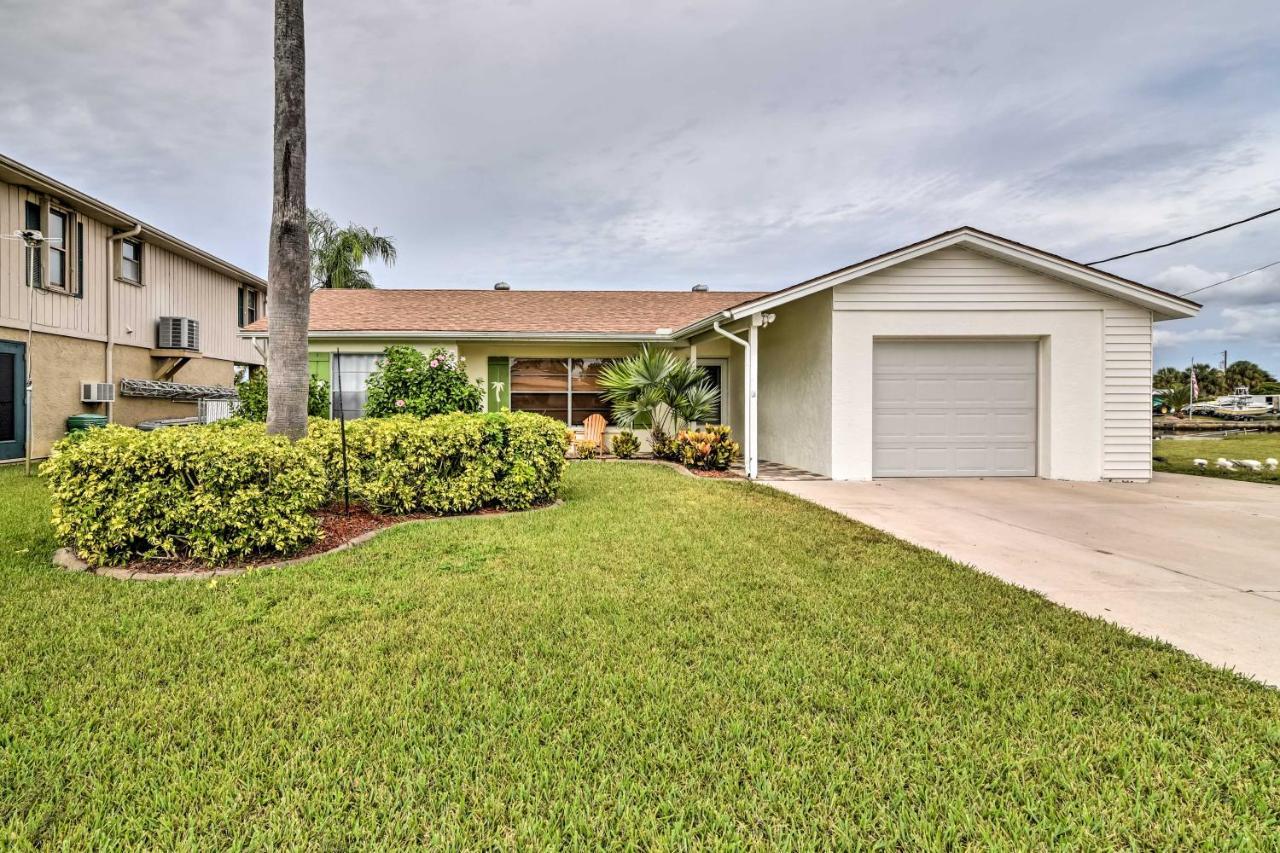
(1213, 382)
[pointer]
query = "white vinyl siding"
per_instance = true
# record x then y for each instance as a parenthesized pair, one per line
(958, 279)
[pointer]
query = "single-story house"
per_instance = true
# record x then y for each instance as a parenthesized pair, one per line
(963, 355)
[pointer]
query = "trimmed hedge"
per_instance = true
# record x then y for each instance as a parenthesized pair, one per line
(446, 463)
(120, 494)
(229, 490)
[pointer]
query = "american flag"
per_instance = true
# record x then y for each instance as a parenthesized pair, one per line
(1195, 386)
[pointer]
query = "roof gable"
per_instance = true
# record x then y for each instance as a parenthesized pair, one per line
(1165, 306)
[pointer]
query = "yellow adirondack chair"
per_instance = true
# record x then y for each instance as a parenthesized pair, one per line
(593, 430)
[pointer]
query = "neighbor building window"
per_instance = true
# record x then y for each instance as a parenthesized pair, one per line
(57, 243)
(131, 261)
(248, 305)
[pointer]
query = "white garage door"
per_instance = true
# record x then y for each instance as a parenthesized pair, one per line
(954, 409)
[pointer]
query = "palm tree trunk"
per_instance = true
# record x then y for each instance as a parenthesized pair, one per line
(289, 260)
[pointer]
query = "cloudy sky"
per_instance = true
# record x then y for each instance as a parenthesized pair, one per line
(577, 144)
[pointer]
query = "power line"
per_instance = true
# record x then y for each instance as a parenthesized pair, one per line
(1185, 239)
(1233, 278)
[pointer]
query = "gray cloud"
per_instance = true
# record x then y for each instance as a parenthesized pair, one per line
(741, 144)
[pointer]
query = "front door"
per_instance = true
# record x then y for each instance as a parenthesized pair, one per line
(13, 416)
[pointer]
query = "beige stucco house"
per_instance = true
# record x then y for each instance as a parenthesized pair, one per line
(103, 280)
(963, 355)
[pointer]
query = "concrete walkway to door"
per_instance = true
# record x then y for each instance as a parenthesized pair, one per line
(1194, 561)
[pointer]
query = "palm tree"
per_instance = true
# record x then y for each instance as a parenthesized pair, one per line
(1168, 377)
(289, 262)
(338, 254)
(655, 386)
(1247, 373)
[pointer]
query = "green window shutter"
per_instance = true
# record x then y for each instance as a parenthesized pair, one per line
(80, 259)
(318, 365)
(499, 385)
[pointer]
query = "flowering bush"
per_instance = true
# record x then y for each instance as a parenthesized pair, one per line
(408, 382)
(625, 444)
(710, 448)
(587, 449)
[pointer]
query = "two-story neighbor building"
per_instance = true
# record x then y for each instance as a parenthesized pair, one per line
(102, 282)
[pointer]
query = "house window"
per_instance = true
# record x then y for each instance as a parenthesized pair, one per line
(131, 261)
(567, 389)
(352, 372)
(248, 302)
(541, 385)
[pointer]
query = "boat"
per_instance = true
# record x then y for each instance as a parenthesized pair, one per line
(1241, 404)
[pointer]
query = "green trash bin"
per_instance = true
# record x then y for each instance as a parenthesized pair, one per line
(76, 423)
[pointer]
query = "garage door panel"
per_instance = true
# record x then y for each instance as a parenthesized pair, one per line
(954, 408)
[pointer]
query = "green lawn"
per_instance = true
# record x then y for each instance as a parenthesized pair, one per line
(1178, 453)
(663, 661)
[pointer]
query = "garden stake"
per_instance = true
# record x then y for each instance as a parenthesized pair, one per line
(342, 431)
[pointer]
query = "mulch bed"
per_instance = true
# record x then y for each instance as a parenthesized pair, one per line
(336, 528)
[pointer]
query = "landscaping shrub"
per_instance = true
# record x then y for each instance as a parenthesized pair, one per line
(587, 449)
(663, 445)
(710, 448)
(447, 463)
(253, 397)
(625, 444)
(407, 382)
(213, 493)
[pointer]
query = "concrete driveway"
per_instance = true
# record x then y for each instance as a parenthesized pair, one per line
(1194, 561)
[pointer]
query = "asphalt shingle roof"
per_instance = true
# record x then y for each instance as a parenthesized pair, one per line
(533, 311)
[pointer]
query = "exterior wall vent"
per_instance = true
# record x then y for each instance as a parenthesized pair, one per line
(97, 392)
(178, 333)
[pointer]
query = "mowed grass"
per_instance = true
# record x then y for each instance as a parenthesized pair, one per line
(1175, 455)
(661, 662)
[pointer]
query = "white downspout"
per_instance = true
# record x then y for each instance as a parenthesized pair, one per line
(111, 282)
(749, 384)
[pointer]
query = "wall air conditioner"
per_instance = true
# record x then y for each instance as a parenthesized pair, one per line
(178, 333)
(97, 392)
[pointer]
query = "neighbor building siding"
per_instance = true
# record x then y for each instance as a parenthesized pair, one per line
(173, 285)
(962, 280)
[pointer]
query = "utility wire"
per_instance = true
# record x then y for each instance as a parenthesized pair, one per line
(1233, 278)
(1185, 239)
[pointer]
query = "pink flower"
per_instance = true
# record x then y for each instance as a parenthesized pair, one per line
(399, 404)
(435, 362)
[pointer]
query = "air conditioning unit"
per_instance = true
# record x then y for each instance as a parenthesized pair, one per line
(178, 333)
(97, 392)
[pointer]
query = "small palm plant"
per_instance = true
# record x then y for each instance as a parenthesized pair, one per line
(656, 387)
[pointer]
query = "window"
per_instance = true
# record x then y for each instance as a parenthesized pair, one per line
(541, 385)
(248, 304)
(352, 371)
(56, 238)
(131, 261)
(567, 389)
